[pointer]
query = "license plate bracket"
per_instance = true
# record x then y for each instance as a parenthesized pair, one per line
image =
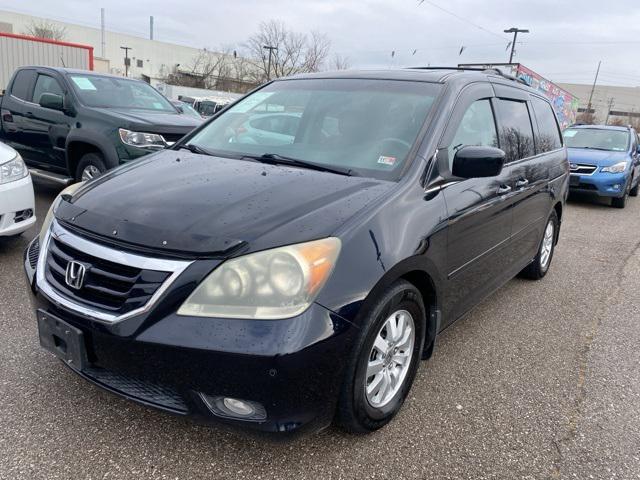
(62, 339)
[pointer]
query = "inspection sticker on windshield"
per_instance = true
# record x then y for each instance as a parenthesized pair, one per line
(83, 83)
(391, 161)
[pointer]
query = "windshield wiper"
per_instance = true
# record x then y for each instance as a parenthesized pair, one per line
(598, 148)
(276, 159)
(197, 149)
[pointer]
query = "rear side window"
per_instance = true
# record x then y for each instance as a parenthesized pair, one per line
(46, 84)
(477, 128)
(516, 133)
(21, 84)
(549, 133)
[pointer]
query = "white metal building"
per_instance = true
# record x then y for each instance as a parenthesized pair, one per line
(608, 102)
(151, 58)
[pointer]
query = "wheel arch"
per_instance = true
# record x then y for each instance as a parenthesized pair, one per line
(89, 142)
(416, 271)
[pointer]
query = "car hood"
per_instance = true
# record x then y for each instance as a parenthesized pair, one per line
(152, 120)
(600, 158)
(6, 153)
(189, 204)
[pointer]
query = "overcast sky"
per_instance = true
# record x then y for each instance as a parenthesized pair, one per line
(566, 41)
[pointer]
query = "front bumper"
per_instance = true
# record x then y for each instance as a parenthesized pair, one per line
(17, 207)
(293, 367)
(599, 183)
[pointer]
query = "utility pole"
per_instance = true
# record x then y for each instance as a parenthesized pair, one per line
(103, 42)
(609, 107)
(515, 32)
(271, 49)
(126, 60)
(593, 87)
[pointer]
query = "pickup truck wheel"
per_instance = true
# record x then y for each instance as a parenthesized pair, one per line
(634, 191)
(91, 166)
(384, 361)
(540, 265)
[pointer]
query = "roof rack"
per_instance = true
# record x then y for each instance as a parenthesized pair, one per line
(492, 70)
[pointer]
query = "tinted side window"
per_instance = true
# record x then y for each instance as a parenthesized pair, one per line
(549, 133)
(516, 133)
(21, 83)
(46, 84)
(477, 127)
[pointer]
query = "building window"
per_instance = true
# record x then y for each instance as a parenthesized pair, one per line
(139, 63)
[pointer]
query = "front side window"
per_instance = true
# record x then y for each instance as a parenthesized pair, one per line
(366, 126)
(597, 139)
(113, 92)
(549, 133)
(516, 133)
(46, 84)
(477, 128)
(21, 84)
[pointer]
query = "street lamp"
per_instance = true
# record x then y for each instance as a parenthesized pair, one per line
(515, 32)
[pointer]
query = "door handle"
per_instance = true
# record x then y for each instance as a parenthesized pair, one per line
(28, 115)
(522, 183)
(503, 189)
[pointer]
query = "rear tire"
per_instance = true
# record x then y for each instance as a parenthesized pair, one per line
(540, 265)
(363, 405)
(91, 166)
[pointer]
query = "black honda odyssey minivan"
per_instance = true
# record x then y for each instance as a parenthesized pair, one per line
(291, 261)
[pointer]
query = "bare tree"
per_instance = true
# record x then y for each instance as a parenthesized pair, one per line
(587, 118)
(46, 29)
(340, 62)
(293, 53)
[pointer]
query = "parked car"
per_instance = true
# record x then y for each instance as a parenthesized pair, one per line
(75, 124)
(281, 286)
(604, 161)
(186, 109)
(17, 204)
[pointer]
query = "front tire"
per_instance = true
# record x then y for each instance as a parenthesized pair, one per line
(385, 360)
(91, 166)
(634, 191)
(540, 265)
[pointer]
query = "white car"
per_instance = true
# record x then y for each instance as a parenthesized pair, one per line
(17, 203)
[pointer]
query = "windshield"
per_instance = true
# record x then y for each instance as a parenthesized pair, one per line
(110, 92)
(189, 110)
(597, 138)
(367, 126)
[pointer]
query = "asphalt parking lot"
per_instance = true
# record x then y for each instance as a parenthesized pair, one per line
(542, 380)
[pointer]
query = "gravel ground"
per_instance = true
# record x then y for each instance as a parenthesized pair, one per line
(542, 380)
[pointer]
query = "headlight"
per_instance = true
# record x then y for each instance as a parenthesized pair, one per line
(617, 168)
(273, 284)
(70, 190)
(13, 170)
(141, 139)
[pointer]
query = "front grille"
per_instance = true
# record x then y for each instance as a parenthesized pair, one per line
(153, 393)
(582, 169)
(108, 286)
(34, 252)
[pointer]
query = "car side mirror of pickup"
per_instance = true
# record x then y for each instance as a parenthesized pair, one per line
(52, 101)
(478, 162)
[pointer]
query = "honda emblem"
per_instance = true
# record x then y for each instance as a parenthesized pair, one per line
(74, 275)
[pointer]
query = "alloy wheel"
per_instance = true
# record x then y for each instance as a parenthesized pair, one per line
(389, 358)
(90, 172)
(547, 246)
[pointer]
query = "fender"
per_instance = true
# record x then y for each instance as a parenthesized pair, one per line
(95, 139)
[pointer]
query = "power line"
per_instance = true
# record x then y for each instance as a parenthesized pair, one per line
(480, 27)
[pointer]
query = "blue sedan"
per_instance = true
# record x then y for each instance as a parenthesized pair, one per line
(605, 161)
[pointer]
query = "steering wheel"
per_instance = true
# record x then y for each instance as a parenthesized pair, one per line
(398, 141)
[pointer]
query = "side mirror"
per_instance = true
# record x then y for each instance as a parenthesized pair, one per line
(478, 162)
(52, 101)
